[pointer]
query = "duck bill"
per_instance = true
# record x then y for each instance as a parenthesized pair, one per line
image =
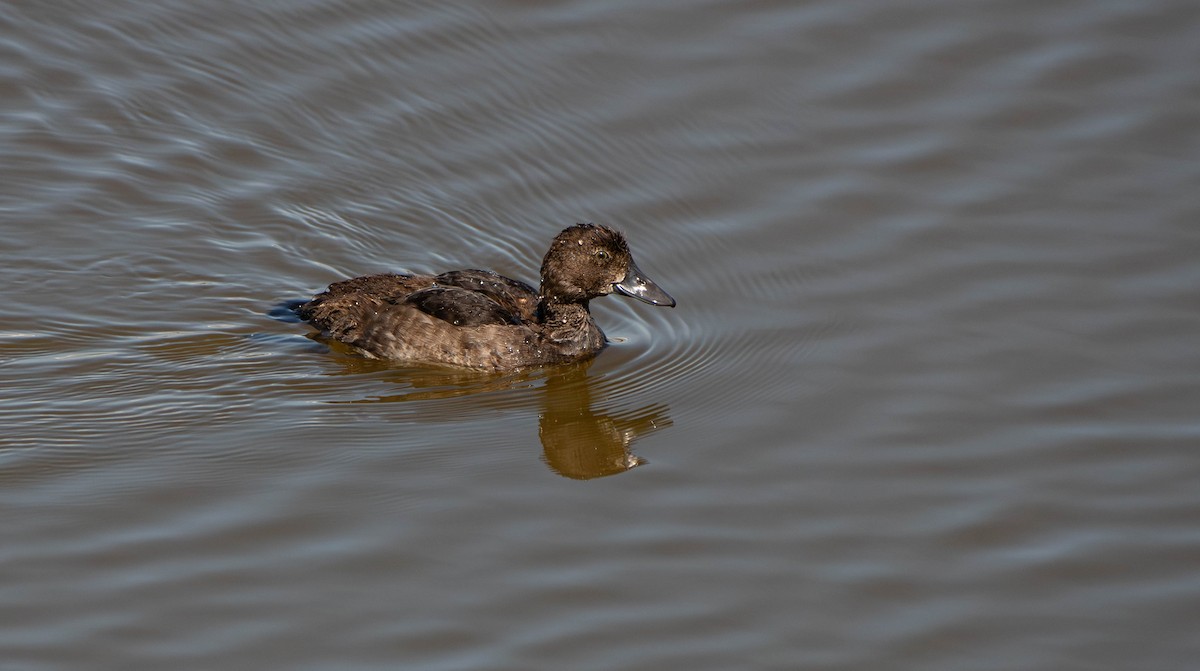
(637, 285)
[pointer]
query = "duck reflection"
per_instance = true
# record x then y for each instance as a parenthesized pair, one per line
(580, 438)
(583, 436)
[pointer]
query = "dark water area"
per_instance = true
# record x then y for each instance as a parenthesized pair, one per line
(929, 399)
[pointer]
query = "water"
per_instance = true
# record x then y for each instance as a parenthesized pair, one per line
(929, 399)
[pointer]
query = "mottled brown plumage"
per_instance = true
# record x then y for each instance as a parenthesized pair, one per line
(479, 319)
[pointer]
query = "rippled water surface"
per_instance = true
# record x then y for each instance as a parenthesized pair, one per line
(929, 399)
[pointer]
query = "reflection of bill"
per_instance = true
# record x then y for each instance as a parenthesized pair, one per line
(583, 441)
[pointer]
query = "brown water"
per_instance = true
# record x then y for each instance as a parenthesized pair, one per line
(929, 400)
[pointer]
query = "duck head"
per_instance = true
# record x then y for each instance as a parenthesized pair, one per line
(586, 261)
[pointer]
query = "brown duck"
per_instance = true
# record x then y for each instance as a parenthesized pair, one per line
(482, 320)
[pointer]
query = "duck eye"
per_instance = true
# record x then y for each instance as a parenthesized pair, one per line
(601, 254)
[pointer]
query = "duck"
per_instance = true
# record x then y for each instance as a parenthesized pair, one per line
(481, 320)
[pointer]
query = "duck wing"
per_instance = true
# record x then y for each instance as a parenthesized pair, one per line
(516, 297)
(461, 307)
